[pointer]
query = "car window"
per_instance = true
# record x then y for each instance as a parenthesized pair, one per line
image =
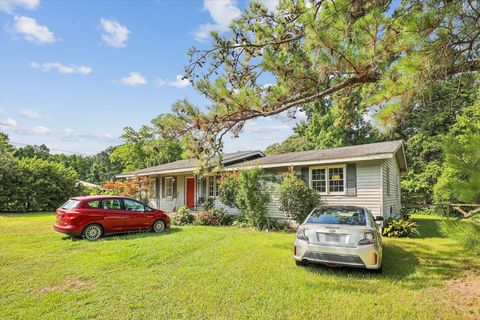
(111, 204)
(338, 215)
(70, 204)
(132, 205)
(95, 204)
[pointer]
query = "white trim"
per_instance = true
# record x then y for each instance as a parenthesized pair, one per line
(313, 162)
(381, 188)
(327, 177)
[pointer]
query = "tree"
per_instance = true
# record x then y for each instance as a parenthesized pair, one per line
(33, 151)
(103, 168)
(147, 147)
(8, 172)
(386, 52)
(460, 178)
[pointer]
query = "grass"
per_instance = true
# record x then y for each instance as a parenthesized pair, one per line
(221, 273)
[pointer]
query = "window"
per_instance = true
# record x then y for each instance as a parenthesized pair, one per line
(111, 204)
(213, 183)
(336, 180)
(95, 204)
(388, 181)
(169, 187)
(328, 179)
(338, 215)
(70, 204)
(319, 180)
(132, 205)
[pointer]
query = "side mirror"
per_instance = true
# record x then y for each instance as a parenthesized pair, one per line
(378, 218)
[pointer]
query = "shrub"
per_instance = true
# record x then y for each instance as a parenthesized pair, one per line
(397, 228)
(245, 190)
(183, 216)
(296, 198)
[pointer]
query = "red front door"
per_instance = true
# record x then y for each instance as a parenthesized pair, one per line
(190, 192)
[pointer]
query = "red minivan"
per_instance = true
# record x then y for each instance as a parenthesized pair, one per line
(94, 216)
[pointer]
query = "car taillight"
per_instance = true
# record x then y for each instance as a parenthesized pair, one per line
(368, 238)
(301, 234)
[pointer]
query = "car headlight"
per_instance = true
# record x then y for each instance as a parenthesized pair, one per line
(301, 235)
(368, 238)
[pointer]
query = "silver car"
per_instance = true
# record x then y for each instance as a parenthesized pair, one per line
(340, 236)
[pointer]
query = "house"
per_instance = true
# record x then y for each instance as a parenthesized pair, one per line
(364, 175)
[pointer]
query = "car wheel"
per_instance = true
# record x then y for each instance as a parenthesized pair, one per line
(92, 232)
(158, 226)
(379, 270)
(300, 263)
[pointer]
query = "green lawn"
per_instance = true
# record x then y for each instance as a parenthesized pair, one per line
(220, 273)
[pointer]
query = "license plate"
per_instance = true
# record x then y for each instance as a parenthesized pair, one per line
(332, 237)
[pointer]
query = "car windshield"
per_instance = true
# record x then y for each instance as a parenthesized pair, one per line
(70, 204)
(338, 215)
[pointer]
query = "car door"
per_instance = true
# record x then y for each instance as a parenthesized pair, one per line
(139, 217)
(114, 216)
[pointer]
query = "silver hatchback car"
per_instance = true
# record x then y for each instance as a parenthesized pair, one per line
(340, 236)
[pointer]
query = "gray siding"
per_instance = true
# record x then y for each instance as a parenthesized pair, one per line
(391, 202)
(368, 189)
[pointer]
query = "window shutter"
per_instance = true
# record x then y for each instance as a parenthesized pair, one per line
(163, 187)
(175, 187)
(157, 187)
(304, 172)
(351, 179)
(204, 187)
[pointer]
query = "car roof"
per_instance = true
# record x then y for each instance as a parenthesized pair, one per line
(341, 207)
(99, 197)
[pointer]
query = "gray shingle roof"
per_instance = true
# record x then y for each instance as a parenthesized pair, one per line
(363, 150)
(188, 163)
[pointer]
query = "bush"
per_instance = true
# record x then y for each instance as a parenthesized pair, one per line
(297, 200)
(245, 190)
(397, 228)
(39, 185)
(183, 216)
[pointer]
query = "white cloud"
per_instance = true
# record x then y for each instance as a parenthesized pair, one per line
(271, 5)
(253, 127)
(67, 134)
(222, 13)
(61, 68)
(30, 114)
(114, 34)
(8, 123)
(180, 82)
(8, 6)
(134, 79)
(32, 31)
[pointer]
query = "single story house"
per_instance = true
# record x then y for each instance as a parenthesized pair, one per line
(364, 175)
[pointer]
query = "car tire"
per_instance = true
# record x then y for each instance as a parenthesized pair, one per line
(379, 270)
(92, 232)
(300, 263)
(158, 226)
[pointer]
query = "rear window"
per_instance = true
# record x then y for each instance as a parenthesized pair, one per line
(338, 215)
(70, 204)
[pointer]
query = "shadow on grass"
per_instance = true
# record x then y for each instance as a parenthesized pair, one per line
(397, 264)
(430, 228)
(129, 235)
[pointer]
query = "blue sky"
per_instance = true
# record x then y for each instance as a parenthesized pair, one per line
(73, 74)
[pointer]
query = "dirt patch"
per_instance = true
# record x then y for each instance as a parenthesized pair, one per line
(463, 295)
(67, 284)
